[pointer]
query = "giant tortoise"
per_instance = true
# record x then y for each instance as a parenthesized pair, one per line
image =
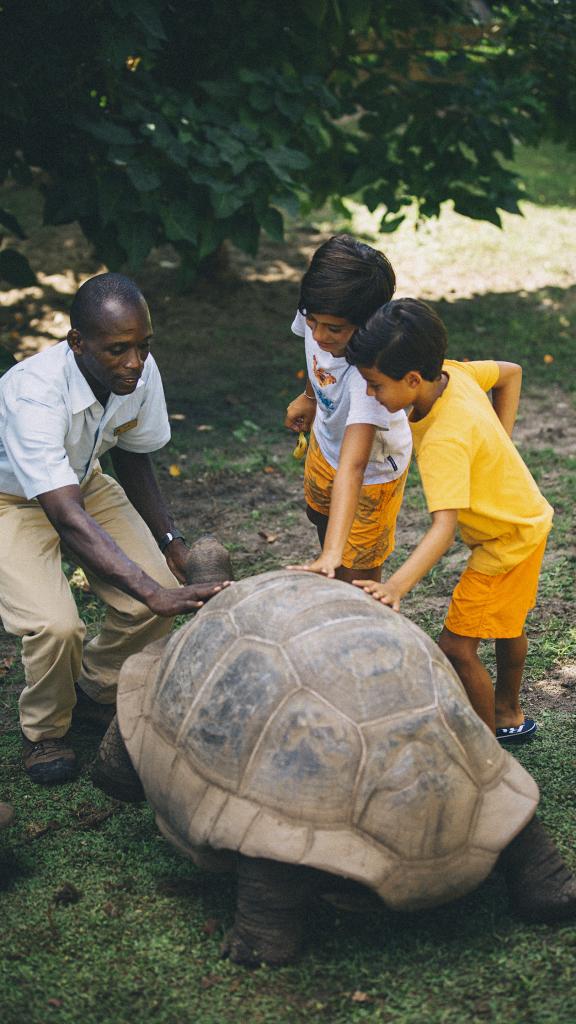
(296, 730)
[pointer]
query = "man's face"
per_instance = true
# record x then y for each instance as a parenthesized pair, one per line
(113, 357)
(393, 394)
(331, 333)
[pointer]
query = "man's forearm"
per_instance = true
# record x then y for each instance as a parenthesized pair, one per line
(98, 552)
(136, 475)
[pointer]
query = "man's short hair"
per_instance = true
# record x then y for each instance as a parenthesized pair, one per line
(87, 305)
(348, 279)
(403, 335)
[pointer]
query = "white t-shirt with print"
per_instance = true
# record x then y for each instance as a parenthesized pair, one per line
(53, 429)
(341, 399)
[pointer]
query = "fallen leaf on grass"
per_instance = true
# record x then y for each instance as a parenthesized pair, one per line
(202, 427)
(300, 374)
(57, 1003)
(35, 830)
(269, 469)
(360, 997)
(79, 580)
(6, 665)
(174, 470)
(548, 358)
(89, 816)
(268, 537)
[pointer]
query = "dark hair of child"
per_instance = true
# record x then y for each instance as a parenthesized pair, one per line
(86, 308)
(403, 335)
(347, 279)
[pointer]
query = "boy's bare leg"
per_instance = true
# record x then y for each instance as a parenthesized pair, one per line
(510, 661)
(462, 653)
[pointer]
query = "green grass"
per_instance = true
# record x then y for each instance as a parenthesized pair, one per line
(547, 173)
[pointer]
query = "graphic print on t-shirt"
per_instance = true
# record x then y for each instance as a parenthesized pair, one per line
(323, 377)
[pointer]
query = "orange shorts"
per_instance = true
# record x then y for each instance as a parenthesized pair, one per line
(371, 538)
(495, 607)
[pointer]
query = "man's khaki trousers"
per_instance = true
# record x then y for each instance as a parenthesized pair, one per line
(36, 603)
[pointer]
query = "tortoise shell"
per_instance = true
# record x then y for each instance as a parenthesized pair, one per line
(296, 718)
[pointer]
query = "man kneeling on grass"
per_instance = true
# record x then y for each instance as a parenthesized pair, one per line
(473, 478)
(59, 411)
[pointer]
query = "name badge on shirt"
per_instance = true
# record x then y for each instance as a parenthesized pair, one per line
(125, 426)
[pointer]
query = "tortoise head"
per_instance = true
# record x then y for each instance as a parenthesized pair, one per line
(208, 561)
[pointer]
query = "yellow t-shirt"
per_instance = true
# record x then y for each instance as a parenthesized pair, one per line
(467, 462)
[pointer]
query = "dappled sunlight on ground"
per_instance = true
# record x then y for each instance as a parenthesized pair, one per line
(453, 257)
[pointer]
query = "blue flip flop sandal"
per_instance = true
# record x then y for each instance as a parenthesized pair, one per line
(517, 733)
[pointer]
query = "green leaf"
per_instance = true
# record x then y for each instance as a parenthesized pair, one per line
(105, 130)
(8, 220)
(314, 10)
(136, 236)
(15, 269)
(478, 207)
(260, 98)
(273, 224)
(180, 221)
(112, 196)
(225, 204)
(388, 225)
(142, 177)
(290, 106)
(147, 14)
(359, 12)
(282, 160)
(245, 232)
(211, 233)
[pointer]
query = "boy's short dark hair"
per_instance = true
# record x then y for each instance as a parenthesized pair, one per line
(403, 335)
(87, 304)
(348, 279)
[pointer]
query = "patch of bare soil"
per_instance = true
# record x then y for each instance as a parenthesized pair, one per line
(258, 514)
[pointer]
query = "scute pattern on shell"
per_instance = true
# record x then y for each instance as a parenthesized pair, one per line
(297, 719)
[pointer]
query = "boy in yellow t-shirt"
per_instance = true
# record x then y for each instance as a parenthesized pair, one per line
(473, 478)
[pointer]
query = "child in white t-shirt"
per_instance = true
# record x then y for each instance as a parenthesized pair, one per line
(359, 453)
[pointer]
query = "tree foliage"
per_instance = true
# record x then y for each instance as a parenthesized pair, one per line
(193, 122)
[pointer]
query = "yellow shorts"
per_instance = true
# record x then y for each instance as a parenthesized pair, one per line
(495, 607)
(371, 538)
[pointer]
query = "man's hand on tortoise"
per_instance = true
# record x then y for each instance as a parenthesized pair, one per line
(183, 599)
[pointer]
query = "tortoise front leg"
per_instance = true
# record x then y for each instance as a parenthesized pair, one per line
(269, 922)
(113, 770)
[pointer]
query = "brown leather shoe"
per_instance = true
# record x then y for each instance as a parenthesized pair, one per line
(49, 760)
(90, 712)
